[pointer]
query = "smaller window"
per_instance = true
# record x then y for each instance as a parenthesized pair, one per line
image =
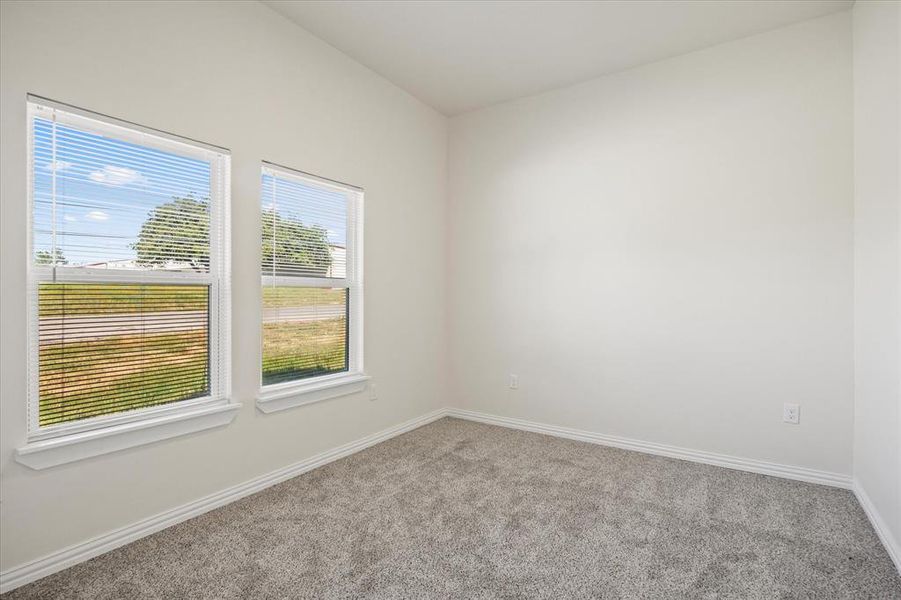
(311, 281)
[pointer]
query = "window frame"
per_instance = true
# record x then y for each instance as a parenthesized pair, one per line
(280, 396)
(115, 431)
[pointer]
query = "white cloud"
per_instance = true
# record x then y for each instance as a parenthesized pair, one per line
(59, 165)
(70, 218)
(97, 215)
(116, 176)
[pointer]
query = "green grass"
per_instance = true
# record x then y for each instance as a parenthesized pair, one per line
(297, 350)
(284, 296)
(83, 379)
(56, 299)
(92, 378)
(294, 351)
(91, 298)
(79, 380)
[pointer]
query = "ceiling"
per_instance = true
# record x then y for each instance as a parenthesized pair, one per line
(462, 55)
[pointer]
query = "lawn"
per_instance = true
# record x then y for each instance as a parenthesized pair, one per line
(91, 298)
(294, 350)
(297, 349)
(285, 296)
(57, 299)
(86, 378)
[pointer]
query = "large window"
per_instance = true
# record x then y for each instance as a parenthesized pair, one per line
(128, 273)
(312, 289)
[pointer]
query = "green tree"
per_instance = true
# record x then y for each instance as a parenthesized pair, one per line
(176, 232)
(45, 257)
(292, 248)
(179, 232)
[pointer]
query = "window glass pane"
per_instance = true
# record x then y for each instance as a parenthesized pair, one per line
(304, 332)
(133, 223)
(106, 203)
(107, 348)
(304, 229)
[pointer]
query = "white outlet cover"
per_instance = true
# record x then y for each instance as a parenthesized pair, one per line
(791, 413)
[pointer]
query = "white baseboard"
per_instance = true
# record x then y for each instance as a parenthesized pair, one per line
(885, 535)
(77, 553)
(699, 456)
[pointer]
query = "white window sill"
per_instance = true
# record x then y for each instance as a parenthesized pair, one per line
(281, 397)
(85, 444)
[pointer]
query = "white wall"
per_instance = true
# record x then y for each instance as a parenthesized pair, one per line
(239, 76)
(877, 264)
(665, 253)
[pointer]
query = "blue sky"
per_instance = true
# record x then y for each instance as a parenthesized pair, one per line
(106, 187)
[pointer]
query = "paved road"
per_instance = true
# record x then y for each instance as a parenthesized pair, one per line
(93, 327)
(321, 312)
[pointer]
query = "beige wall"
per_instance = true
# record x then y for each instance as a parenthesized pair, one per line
(237, 75)
(665, 253)
(877, 244)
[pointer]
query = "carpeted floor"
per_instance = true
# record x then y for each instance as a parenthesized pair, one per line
(462, 510)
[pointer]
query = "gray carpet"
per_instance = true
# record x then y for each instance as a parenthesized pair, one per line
(463, 510)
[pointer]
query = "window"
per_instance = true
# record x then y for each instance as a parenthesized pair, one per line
(311, 286)
(128, 272)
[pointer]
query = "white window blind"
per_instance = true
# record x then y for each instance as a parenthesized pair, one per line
(128, 274)
(311, 277)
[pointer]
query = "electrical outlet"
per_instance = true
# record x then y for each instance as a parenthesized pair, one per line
(791, 413)
(373, 393)
(514, 382)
